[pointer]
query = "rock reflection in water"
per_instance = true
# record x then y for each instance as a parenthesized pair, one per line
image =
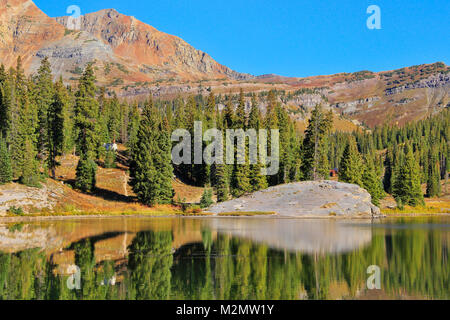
(309, 236)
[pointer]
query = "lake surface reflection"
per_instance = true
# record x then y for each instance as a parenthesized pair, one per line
(224, 258)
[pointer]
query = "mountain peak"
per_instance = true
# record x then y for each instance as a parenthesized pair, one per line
(24, 29)
(133, 50)
(154, 53)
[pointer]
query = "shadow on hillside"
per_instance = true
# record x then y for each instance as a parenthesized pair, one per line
(107, 195)
(111, 195)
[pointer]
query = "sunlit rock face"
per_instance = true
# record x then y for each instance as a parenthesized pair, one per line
(306, 199)
(122, 46)
(299, 235)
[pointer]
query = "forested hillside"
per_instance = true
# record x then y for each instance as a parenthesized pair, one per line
(41, 120)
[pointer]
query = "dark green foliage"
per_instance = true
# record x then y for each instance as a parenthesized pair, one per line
(44, 93)
(30, 166)
(315, 164)
(222, 185)
(110, 159)
(351, 167)
(86, 122)
(434, 176)
(22, 136)
(206, 199)
(407, 187)
(371, 181)
(6, 103)
(258, 181)
(5, 163)
(56, 125)
(240, 179)
(86, 114)
(86, 174)
(151, 168)
(388, 172)
(150, 263)
(16, 211)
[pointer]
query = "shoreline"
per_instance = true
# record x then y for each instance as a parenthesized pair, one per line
(20, 219)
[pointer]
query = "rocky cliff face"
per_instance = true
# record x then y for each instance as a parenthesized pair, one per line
(434, 81)
(123, 47)
(24, 29)
(136, 41)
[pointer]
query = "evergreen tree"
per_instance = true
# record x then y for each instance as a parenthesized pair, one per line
(388, 172)
(240, 180)
(113, 121)
(222, 186)
(6, 103)
(314, 164)
(23, 148)
(44, 98)
(86, 112)
(210, 110)
(271, 122)
(206, 199)
(351, 167)
(407, 187)
(56, 118)
(371, 181)
(133, 126)
(258, 181)
(240, 176)
(86, 174)
(86, 116)
(151, 168)
(229, 114)
(240, 121)
(434, 176)
(5, 163)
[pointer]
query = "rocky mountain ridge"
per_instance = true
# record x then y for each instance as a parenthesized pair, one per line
(122, 47)
(134, 60)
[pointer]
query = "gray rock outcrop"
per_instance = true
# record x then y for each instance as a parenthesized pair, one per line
(306, 199)
(28, 198)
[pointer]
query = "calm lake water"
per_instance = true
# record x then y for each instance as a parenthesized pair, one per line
(225, 258)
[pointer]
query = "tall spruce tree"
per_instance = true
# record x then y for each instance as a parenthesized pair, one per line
(56, 118)
(133, 126)
(222, 185)
(351, 167)
(86, 116)
(315, 164)
(86, 173)
(371, 181)
(44, 94)
(434, 175)
(271, 122)
(23, 130)
(407, 188)
(151, 168)
(241, 170)
(388, 171)
(258, 181)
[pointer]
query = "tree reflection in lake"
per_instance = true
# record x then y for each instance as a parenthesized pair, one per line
(413, 259)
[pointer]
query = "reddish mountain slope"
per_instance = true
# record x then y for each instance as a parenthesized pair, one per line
(125, 49)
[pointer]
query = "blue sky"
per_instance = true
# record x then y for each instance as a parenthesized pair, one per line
(294, 37)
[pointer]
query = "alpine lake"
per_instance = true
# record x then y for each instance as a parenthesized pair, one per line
(126, 258)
